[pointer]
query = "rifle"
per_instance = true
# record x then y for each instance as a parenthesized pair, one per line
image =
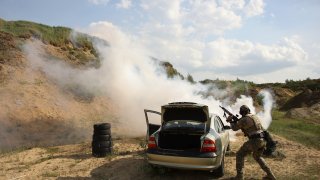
(234, 117)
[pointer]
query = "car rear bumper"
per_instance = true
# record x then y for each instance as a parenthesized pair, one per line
(208, 162)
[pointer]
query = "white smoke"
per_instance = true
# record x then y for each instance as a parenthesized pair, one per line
(132, 80)
(264, 115)
(268, 102)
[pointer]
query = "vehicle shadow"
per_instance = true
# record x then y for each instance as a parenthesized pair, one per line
(133, 165)
(136, 167)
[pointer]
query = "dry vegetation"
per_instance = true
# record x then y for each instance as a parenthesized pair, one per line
(128, 162)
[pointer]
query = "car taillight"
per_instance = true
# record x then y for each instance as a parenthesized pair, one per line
(152, 142)
(208, 146)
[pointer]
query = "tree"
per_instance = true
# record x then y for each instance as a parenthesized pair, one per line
(190, 79)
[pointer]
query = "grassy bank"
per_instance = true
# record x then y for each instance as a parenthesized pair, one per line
(75, 44)
(296, 130)
(57, 36)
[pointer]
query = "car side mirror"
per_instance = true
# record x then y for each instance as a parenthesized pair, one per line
(226, 127)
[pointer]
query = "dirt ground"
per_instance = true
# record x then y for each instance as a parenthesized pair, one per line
(128, 161)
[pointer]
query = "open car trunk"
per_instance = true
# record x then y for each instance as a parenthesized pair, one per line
(181, 135)
(180, 141)
(182, 125)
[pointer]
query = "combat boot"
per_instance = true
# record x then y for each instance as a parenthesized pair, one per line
(269, 177)
(239, 176)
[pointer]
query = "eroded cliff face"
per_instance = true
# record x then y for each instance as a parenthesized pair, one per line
(37, 110)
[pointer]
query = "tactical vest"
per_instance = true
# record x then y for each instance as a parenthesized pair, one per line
(256, 128)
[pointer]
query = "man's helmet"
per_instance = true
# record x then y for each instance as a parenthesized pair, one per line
(244, 110)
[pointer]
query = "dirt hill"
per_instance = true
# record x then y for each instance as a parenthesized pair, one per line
(307, 98)
(304, 105)
(35, 109)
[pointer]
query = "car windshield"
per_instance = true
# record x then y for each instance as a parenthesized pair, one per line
(184, 125)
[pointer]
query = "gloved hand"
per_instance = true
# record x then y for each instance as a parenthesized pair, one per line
(229, 119)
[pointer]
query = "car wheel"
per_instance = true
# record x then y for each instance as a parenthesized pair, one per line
(219, 172)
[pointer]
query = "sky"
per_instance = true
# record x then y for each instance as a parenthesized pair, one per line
(255, 40)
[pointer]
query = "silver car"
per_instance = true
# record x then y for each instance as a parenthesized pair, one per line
(188, 138)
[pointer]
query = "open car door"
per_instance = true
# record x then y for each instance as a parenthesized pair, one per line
(151, 127)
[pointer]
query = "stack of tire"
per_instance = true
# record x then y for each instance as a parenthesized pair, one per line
(101, 140)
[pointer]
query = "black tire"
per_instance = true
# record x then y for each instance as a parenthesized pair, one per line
(101, 144)
(102, 126)
(219, 172)
(101, 138)
(100, 148)
(101, 151)
(100, 154)
(102, 132)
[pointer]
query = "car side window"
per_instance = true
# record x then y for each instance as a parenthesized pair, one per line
(217, 124)
(221, 124)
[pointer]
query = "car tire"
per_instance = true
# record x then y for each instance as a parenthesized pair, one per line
(102, 132)
(219, 172)
(101, 144)
(102, 126)
(101, 138)
(100, 152)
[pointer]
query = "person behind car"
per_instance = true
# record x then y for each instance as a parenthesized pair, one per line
(252, 128)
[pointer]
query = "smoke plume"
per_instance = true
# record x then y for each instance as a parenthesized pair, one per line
(133, 81)
(268, 102)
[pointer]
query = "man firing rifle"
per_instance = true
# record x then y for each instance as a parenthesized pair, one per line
(252, 128)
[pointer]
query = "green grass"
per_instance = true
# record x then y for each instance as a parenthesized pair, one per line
(57, 36)
(297, 130)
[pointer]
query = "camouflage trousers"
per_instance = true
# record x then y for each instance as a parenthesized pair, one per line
(256, 146)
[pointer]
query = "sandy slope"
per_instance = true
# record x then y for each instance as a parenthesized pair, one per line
(128, 162)
(36, 110)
